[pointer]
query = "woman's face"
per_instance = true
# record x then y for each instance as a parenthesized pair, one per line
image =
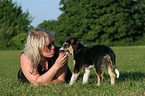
(48, 50)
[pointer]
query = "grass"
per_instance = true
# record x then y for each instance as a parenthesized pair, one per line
(130, 62)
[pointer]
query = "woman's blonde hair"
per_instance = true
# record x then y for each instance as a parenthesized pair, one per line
(35, 43)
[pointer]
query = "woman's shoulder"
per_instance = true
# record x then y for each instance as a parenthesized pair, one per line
(24, 58)
(23, 54)
(26, 64)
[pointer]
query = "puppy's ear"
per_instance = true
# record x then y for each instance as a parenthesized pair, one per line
(72, 41)
(76, 45)
(78, 42)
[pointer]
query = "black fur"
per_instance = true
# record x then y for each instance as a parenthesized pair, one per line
(85, 56)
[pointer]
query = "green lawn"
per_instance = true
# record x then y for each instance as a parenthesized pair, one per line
(130, 62)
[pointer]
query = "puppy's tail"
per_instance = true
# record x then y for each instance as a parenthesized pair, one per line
(113, 65)
(117, 72)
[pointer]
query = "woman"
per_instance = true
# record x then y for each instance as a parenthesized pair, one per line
(41, 62)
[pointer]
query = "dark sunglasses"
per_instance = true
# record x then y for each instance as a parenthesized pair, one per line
(49, 46)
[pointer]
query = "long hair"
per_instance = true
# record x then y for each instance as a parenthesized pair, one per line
(35, 43)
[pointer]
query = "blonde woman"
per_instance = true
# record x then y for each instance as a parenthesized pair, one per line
(41, 62)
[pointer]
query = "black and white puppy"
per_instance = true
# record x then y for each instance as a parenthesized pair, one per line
(86, 57)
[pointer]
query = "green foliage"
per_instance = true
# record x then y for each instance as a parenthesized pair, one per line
(109, 22)
(106, 22)
(19, 40)
(129, 60)
(12, 23)
(47, 25)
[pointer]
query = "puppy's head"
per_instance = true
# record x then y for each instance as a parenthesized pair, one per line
(70, 45)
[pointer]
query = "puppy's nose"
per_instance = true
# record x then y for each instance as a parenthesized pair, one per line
(61, 50)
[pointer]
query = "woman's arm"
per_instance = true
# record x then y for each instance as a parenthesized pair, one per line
(61, 73)
(35, 77)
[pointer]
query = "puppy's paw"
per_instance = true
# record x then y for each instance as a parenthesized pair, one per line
(98, 84)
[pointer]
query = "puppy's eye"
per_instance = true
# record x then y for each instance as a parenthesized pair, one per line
(66, 45)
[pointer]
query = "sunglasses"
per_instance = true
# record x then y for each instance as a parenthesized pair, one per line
(49, 46)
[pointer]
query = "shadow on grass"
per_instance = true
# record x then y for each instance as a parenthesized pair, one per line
(136, 76)
(132, 76)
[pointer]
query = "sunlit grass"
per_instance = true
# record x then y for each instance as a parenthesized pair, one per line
(129, 60)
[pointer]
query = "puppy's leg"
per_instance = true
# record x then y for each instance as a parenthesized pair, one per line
(98, 73)
(102, 77)
(74, 78)
(99, 69)
(86, 75)
(98, 80)
(111, 73)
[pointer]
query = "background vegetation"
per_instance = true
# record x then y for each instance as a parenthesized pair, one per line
(14, 25)
(130, 83)
(109, 22)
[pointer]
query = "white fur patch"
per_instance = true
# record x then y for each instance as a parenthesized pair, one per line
(73, 78)
(117, 72)
(112, 82)
(86, 75)
(72, 53)
(91, 66)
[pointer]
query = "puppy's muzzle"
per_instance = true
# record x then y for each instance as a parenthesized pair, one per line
(62, 50)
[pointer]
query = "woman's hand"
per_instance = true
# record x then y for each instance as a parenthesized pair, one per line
(61, 60)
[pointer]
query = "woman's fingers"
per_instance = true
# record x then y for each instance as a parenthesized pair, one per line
(61, 60)
(64, 58)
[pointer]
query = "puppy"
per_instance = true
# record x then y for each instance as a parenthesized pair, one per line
(86, 57)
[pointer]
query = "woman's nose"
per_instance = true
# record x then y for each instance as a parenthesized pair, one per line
(52, 46)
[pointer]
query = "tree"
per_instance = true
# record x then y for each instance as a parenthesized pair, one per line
(47, 25)
(101, 21)
(12, 23)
